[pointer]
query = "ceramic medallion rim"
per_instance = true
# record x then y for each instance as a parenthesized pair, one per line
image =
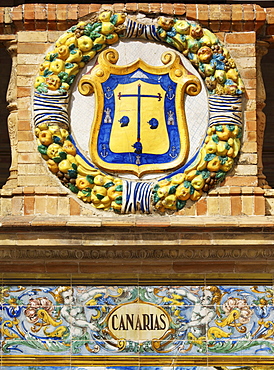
(169, 194)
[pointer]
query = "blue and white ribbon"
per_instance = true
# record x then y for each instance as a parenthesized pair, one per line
(141, 31)
(51, 109)
(225, 110)
(136, 197)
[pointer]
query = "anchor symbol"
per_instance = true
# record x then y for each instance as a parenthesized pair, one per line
(104, 152)
(173, 153)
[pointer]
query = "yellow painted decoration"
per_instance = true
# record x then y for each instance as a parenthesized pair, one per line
(92, 83)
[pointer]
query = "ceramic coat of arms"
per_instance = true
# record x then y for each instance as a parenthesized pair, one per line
(138, 117)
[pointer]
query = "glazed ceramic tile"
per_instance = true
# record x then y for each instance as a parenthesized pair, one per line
(121, 320)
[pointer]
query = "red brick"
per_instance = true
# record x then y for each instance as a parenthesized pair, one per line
(73, 11)
(133, 7)
(180, 9)
(40, 12)
(29, 205)
(143, 7)
(83, 10)
(248, 12)
(191, 12)
(248, 73)
(214, 12)
(2, 9)
(270, 30)
(24, 125)
(118, 7)
(201, 207)
(62, 26)
(251, 135)
(241, 181)
(94, 8)
(251, 94)
(29, 12)
(19, 26)
(236, 205)
(29, 26)
(62, 12)
(260, 13)
(203, 15)
(225, 12)
(241, 38)
(225, 26)
(250, 115)
(75, 208)
(251, 125)
(259, 205)
(215, 26)
(155, 8)
(25, 136)
(23, 92)
(29, 48)
(17, 13)
(41, 25)
(270, 15)
(51, 12)
(52, 26)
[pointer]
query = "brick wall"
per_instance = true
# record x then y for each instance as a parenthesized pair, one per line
(35, 27)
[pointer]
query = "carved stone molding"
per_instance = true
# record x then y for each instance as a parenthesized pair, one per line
(261, 50)
(13, 116)
(105, 254)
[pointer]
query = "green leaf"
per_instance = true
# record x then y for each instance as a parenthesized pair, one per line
(63, 155)
(72, 174)
(205, 174)
(69, 65)
(209, 157)
(108, 184)
(118, 200)
(219, 128)
(223, 159)
(70, 79)
(156, 198)
(220, 175)
(90, 179)
(99, 196)
(239, 134)
(215, 138)
(113, 19)
(230, 127)
(187, 184)
(42, 88)
(172, 189)
(56, 139)
(42, 149)
(86, 191)
(97, 47)
(73, 51)
(53, 57)
(192, 190)
(85, 58)
(180, 204)
(47, 72)
(57, 159)
(63, 76)
(119, 188)
(227, 146)
(156, 187)
(74, 166)
(73, 188)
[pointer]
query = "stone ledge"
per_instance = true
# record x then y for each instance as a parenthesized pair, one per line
(139, 221)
